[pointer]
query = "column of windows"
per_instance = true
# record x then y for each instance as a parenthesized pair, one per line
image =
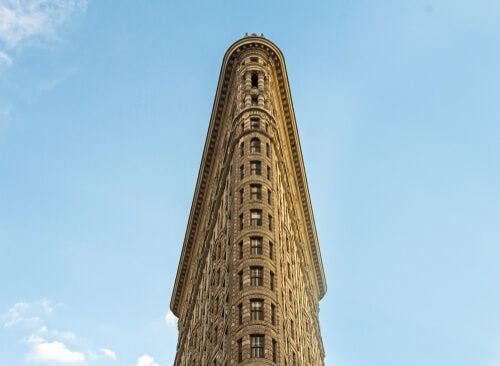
(256, 220)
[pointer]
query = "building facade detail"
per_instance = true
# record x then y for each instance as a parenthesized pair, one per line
(250, 275)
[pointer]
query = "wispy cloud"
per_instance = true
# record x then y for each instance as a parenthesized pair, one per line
(146, 360)
(171, 319)
(5, 59)
(22, 314)
(25, 21)
(56, 352)
(48, 345)
(108, 353)
(63, 75)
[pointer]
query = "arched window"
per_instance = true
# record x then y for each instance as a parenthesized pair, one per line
(255, 145)
(255, 80)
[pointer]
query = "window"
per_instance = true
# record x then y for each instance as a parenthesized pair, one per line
(240, 279)
(270, 221)
(240, 245)
(254, 122)
(255, 100)
(242, 149)
(255, 167)
(255, 80)
(255, 217)
(256, 244)
(255, 145)
(241, 221)
(257, 309)
(275, 351)
(257, 345)
(268, 150)
(256, 191)
(242, 191)
(273, 314)
(269, 196)
(254, 59)
(240, 350)
(242, 171)
(268, 172)
(271, 250)
(256, 274)
(240, 314)
(271, 280)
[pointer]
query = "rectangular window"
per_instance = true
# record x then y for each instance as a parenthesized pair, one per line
(255, 145)
(271, 250)
(271, 280)
(255, 122)
(240, 279)
(256, 276)
(242, 192)
(241, 221)
(240, 350)
(268, 150)
(269, 196)
(256, 217)
(257, 346)
(275, 351)
(255, 100)
(255, 167)
(240, 247)
(256, 245)
(242, 149)
(242, 171)
(270, 221)
(273, 314)
(240, 314)
(268, 172)
(257, 309)
(256, 191)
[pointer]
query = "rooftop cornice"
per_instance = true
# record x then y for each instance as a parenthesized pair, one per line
(208, 154)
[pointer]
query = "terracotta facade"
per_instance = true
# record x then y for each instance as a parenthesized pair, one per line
(250, 275)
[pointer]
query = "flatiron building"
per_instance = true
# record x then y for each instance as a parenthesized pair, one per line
(250, 275)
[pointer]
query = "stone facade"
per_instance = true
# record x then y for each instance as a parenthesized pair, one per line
(250, 275)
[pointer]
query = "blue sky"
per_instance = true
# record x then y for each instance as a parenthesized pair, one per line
(104, 107)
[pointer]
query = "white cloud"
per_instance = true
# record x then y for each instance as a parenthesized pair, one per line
(56, 352)
(108, 353)
(171, 319)
(28, 315)
(5, 59)
(20, 315)
(23, 21)
(146, 360)
(54, 333)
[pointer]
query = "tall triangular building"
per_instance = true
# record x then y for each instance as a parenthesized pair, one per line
(250, 275)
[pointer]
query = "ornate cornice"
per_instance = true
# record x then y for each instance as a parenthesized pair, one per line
(208, 156)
